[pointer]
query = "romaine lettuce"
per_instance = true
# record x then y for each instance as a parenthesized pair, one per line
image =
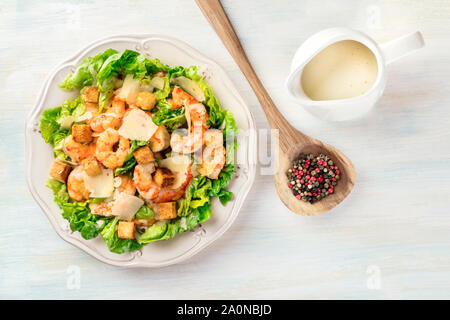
(145, 212)
(77, 213)
(85, 74)
(171, 119)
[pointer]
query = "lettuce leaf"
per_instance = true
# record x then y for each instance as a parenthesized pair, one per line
(145, 212)
(171, 119)
(201, 189)
(85, 73)
(77, 213)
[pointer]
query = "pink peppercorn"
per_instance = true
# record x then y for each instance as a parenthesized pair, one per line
(290, 186)
(307, 177)
(298, 197)
(337, 171)
(302, 181)
(300, 173)
(320, 179)
(317, 170)
(313, 179)
(325, 164)
(330, 190)
(333, 179)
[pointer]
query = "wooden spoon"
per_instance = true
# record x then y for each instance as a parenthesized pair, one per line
(291, 141)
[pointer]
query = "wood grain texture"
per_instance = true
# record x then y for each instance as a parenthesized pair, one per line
(291, 142)
(394, 224)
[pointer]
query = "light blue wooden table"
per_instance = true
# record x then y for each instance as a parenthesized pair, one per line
(389, 239)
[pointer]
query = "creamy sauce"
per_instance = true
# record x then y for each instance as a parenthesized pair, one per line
(345, 69)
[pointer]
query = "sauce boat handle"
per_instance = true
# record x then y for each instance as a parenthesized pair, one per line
(400, 47)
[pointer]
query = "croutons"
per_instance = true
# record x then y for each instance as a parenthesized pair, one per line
(143, 155)
(91, 94)
(146, 100)
(82, 133)
(164, 177)
(167, 210)
(91, 167)
(60, 171)
(160, 140)
(125, 230)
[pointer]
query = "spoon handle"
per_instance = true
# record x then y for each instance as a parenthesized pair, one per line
(214, 13)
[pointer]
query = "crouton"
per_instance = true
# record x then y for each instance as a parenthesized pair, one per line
(143, 155)
(82, 133)
(164, 177)
(146, 100)
(60, 171)
(167, 210)
(91, 166)
(160, 140)
(125, 230)
(91, 94)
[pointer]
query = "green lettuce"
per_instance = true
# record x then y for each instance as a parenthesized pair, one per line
(171, 119)
(201, 189)
(85, 73)
(145, 212)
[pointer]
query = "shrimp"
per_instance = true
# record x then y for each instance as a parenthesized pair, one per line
(105, 152)
(187, 143)
(78, 151)
(105, 121)
(102, 209)
(180, 98)
(213, 156)
(193, 140)
(111, 119)
(150, 191)
(75, 185)
(125, 185)
(213, 161)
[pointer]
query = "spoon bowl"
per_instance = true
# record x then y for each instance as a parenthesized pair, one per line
(342, 189)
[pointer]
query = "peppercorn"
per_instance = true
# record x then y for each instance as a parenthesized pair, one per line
(312, 178)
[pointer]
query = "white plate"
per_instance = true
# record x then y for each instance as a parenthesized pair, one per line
(39, 156)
